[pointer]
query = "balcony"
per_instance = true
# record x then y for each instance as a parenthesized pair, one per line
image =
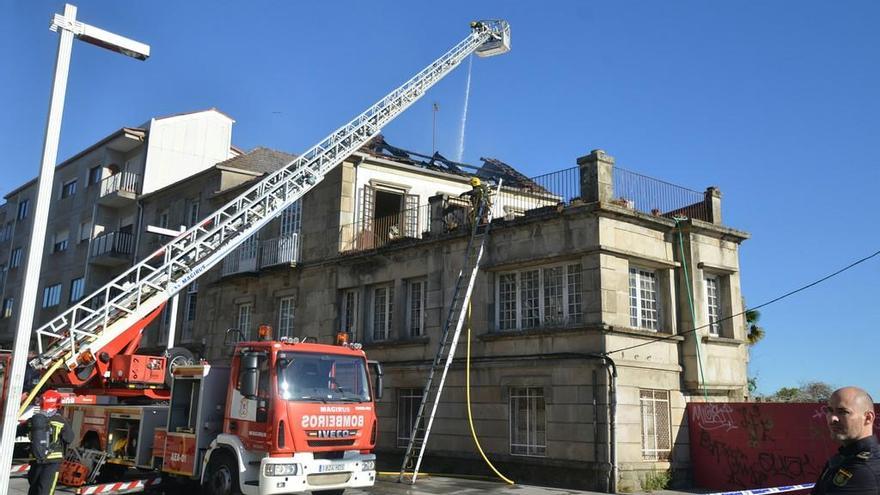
(244, 259)
(120, 189)
(280, 251)
(112, 249)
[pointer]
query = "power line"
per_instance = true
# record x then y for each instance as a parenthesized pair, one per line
(767, 303)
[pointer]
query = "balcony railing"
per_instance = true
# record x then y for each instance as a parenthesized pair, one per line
(112, 245)
(280, 250)
(659, 198)
(244, 259)
(126, 184)
(374, 233)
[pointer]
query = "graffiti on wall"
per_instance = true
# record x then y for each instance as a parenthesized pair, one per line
(737, 446)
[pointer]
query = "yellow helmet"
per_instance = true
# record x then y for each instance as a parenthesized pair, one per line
(475, 181)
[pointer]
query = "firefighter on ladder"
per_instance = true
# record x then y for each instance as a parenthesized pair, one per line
(478, 194)
(50, 433)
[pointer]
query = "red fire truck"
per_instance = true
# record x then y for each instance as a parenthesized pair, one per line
(286, 417)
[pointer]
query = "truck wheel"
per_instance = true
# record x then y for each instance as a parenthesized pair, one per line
(174, 357)
(221, 476)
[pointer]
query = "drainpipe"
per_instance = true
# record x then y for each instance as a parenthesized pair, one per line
(612, 439)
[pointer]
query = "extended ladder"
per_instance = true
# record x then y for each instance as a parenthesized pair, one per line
(81, 331)
(458, 309)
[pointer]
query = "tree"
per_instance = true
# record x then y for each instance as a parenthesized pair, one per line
(756, 333)
(807, 392)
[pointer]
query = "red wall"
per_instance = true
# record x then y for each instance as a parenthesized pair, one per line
(737, 446)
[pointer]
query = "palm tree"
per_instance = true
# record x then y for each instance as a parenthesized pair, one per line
(756, 333)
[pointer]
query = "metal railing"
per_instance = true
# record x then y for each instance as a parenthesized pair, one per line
(280, 250)
(244, 258)
(123, 181)
(374, 233)
(656, 197)
(113, 244)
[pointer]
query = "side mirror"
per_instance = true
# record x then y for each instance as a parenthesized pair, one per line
(249, 374)
(247, 382)
(376, 373)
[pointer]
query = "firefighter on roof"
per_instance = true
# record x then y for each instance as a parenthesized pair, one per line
(50, 434)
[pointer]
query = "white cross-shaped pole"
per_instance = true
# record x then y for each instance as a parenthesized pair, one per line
(69, 29)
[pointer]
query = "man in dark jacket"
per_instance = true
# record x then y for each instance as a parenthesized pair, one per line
(50, 434)
(855, 469)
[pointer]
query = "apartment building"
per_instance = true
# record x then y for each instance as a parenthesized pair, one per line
(584, 348)
(96, 213)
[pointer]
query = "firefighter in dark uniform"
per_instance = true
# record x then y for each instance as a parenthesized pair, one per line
(50, 434)
(855, 469)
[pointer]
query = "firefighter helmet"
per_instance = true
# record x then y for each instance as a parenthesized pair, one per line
(51, 400)
(475, 182)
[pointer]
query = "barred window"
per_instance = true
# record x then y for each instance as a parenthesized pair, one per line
(643, 308)
(548, 296)
(408, 401)
(77, 287)
(52, 296)
(528, 421)
(713, 304)
(656, 435)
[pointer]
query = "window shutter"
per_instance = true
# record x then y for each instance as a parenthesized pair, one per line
(412, 216)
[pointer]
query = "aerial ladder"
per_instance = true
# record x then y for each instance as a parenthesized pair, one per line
(481, 223)
(74, 338)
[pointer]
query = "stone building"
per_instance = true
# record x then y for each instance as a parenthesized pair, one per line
(583, 349)
(95, 215)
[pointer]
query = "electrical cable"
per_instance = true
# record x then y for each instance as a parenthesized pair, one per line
(467, 387)
(767, 303)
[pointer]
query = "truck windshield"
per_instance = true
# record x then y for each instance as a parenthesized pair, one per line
(304, 376)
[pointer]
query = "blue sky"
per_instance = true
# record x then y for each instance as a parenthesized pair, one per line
(774, 102)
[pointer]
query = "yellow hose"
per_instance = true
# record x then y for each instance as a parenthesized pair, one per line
(33, 393)
(467, 375)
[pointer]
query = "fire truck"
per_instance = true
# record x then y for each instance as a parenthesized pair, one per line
(287, 415)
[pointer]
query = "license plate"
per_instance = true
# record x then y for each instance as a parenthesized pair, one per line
(330, 468)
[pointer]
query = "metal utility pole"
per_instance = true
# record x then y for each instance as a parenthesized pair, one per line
(68, 27)
(435, 108)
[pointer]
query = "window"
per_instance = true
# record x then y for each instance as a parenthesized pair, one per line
(85, 231)
(349, 315)
(192, 293)
(713, 304)
(22, 209)
(383, 305)
(52, 296)
(8, 304)
(244, 319)
(192, 212)
(655, 424)
(285, 317)
(528, 422)
(408, 401)
(77, 287)
(415, 307)
(6, 232)
(59, 242)
(291, 219)
(68, 189)
(546, 296)
(643, 308)
(162, 219)
(95, 175)
(15, 258)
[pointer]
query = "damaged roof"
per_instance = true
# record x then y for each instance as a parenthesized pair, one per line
(491, 168)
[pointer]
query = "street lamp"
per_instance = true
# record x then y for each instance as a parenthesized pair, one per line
(69, 28)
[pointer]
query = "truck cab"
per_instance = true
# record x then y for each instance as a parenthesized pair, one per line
(298, 417)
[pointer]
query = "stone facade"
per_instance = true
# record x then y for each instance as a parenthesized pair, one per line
(582, 354)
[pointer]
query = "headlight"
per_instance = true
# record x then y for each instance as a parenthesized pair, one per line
(368, 466)
(281, 469)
